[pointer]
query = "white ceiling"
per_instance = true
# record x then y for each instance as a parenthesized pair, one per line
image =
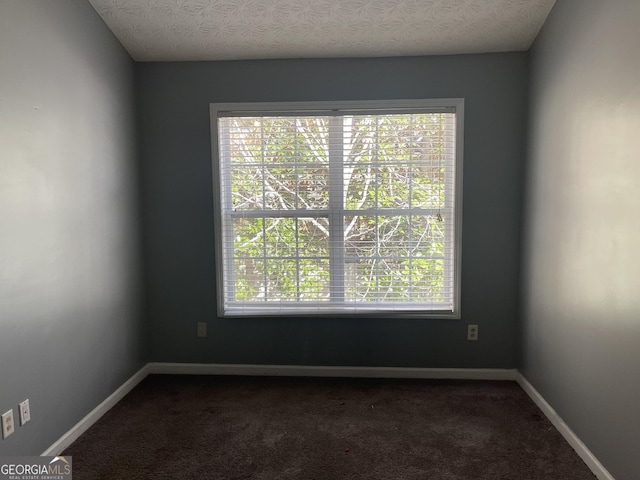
(181, 30)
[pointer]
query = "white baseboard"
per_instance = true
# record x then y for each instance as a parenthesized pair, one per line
(581, 449)
(94, 415)
(332, 371)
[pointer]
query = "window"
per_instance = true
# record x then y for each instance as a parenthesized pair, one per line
(338, 207)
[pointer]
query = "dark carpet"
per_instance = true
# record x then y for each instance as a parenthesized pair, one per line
(192, 427)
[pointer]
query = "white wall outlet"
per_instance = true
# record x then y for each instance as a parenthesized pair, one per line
(8, 427)
(202, 330)
(472, 332)
(25, 412)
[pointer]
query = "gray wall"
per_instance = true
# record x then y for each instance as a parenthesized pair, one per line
(178, 224)
(69, 282)
(581, 263)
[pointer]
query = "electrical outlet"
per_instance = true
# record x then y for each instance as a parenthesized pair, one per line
(25, 412)
(202, 330)
(472, 332)
(8, 427)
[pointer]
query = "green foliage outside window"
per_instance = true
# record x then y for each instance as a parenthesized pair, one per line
(393, 176)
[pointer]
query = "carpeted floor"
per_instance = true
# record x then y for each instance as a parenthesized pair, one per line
(192, 427)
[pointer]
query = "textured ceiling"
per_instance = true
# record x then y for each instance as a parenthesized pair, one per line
(181, 30)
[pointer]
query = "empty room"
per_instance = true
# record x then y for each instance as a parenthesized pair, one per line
(320, 239)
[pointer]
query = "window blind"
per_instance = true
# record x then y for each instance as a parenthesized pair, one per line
(337, 211)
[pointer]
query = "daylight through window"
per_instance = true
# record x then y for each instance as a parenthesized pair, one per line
(340, 208)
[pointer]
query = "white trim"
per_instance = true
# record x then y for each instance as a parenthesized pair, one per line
(332, 371)
(94, 415)
(223, 210)
(581, 449)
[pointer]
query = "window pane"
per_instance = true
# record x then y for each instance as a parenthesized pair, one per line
(428, 236)
(313, 237)
(360, 236)
(360, 186)
(313, 187)
(244, 141)
(428, 187)
(394, 138)
(361, 280)
(280, 237)
(427, 276)
(280, 187)
(248, 278)
(278, 140)
(311, 139)
(394, 236)
(314, 280)
(248, 238)
(394, 283)
(393, 183)
(246, 188)
(281, 279)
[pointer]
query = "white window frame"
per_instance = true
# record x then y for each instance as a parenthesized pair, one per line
(324, 108)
